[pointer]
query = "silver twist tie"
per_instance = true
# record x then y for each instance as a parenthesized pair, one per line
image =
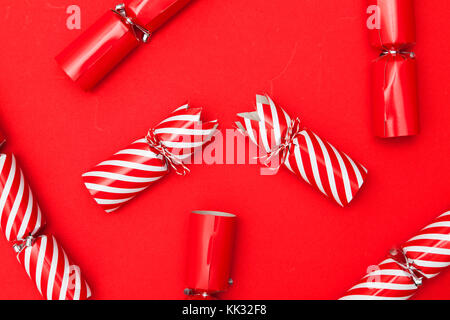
(385, 52)
(190, 292)
(27, 242)
(137, 29)
(409, 267)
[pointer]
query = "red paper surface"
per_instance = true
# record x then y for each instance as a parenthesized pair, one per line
(312, 57)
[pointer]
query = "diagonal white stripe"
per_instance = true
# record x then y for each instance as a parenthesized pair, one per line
(7, 187)
(138, 152)
(431, 264)
(38, 220)
(15, 207)
(2, 161)
(387, 272)
(40, 262)
(76, 295)
(65, 280)
(438, 225)
(52, 272)
(183, 107)
(431, 236)
(345, 177)
(185, 144)
(99, 187)
(388, 260)
(329, 167)
(120, 177)
(184, 131)
(385, 285)
(355, 168)
(26, 217)
(298, 159)
(27, 260)
(313, 160)
(112, 201)
(132, 165)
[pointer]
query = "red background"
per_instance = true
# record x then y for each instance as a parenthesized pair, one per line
(312, 57)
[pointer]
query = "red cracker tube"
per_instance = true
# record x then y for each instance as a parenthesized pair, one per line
(43, 258)
(100, 48)
(396, 26)
(395, 111)
(313, 159)
(128, 172)
(210, 250)
(394, 85)
(404, 271)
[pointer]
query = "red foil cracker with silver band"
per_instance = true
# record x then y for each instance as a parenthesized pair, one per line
(403, 272)
(108, 41)
(44, 260)
(210, 251)
(394, 74)
(172, 143)
(311, 158)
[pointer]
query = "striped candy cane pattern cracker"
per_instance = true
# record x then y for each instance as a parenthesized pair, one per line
(310, 157)
(128, 172)
(403, 272)
(56, 278)
(22, 221)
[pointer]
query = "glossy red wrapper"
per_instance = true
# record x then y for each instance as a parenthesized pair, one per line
(394, 96)
(100, 48)
(394, 75)
(210, 249)
(394, 25)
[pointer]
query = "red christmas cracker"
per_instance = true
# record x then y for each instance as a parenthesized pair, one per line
(110, 39)
(22, 222)
(394, 74)
(304, 153)
(210, 252)
(56, 277)
(128, 172)
(400, 275)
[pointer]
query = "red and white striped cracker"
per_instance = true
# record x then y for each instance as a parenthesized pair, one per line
(313, 159)
(428, 252)
(119, 179)
(387, 281)
(183, 132)
(54, 274)
(20, 215)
